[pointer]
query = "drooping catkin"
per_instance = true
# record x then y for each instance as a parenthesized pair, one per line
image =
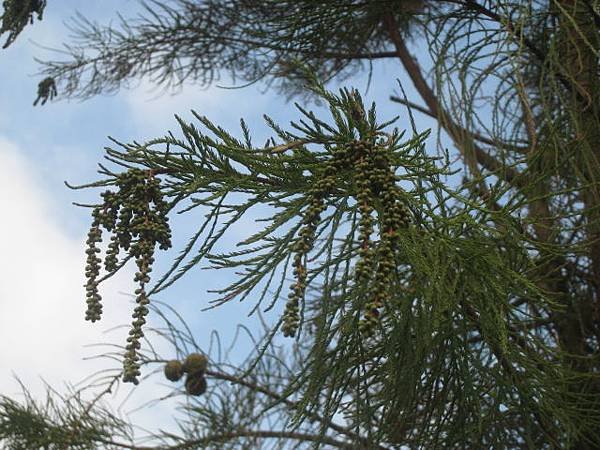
(136, 216)
(92, 270)
(375, 177)
(305, 242)
(379, 200)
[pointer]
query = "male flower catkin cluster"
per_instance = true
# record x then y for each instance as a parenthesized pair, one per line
(376, 184)
(370, 166)
(92, 269)
(195, 367)
(136, 217)
(304, 244)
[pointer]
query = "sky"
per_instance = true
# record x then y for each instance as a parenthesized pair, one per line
(42, 235)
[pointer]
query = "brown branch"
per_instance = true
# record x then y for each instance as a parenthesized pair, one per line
(539, 210)
(516, 31)
(456, 133)
(285, 147)
(412, 105)
(505, 22)
(477, 136)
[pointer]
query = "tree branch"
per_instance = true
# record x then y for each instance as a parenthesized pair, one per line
(477, 136)
(516, 31)
(220, 437)
(290, 403)
(456, 133)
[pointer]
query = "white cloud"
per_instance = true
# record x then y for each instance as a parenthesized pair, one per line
(42, 307)
(41, 294)
(154, 113)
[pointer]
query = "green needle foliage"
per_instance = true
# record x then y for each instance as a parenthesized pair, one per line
(61, 421)
(421, 312)
(416, 318)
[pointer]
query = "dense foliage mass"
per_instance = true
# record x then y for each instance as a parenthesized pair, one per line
(17, 14)
(426, 313)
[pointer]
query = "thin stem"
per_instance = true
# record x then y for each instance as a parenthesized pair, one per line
(213, 438)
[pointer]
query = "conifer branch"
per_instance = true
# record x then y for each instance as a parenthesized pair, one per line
(424, 314)
(233, 435)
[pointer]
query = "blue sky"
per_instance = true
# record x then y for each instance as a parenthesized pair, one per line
(42, 235)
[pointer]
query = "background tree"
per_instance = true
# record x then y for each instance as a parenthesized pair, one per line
(17, 14)
(427, 316)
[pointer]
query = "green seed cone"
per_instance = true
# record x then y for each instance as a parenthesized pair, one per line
(195, 362)
(173, 370)
(195, 384)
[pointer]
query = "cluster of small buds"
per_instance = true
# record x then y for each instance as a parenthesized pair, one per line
(136, 217)
(136, 333)
(92, 270)
(305, 242)
(46, 91)
(194, 366)
(365, 226)
(380, 289)
(109, 220)
(376, 182)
